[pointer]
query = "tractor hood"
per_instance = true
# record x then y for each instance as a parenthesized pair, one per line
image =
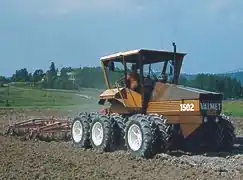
(208, 101)
(163, 91)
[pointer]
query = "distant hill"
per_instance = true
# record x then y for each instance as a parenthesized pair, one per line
(233, 74)
(237, 75)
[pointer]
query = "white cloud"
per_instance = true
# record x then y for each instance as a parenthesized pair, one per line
(219, 5)
(226, 10)
(71, 6)
(61, 7)
(207, 10)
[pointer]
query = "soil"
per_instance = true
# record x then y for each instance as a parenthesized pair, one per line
(59, 160)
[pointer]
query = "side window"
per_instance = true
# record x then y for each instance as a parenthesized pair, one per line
(154, 70)
(117, 74)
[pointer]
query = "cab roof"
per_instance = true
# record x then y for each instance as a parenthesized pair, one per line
(151, 56)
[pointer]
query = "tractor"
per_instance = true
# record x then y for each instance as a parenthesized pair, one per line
(148, 112)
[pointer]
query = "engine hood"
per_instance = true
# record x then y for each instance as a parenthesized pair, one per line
(163, 91)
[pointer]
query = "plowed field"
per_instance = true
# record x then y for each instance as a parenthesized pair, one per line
(59, 160)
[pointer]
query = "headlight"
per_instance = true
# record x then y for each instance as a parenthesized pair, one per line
(217, 119)
(205, 119)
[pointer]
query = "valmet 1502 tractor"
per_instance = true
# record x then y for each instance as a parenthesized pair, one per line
(148, 112)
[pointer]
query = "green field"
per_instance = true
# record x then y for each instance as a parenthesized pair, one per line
(83, 100)
(233, 108)
(18, 97)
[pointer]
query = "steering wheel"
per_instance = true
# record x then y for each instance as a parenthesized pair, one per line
(163, 78)
(119, 82)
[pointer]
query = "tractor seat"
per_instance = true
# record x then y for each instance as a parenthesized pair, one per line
(148, 82)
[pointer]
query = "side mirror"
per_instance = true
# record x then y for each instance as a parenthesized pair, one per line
(111, 66)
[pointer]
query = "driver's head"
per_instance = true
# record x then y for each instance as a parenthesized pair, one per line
(164, 77)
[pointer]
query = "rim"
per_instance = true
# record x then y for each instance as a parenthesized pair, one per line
(97, 133)
(134, 137)
(77, 131)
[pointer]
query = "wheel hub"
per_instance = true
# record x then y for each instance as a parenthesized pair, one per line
(77, 131)
(97, 133)
(134, 137)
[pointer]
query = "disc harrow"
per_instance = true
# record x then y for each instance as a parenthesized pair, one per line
(45, 129)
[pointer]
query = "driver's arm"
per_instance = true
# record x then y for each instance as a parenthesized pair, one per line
(132, 81)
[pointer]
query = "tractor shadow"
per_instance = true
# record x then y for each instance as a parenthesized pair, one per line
(237, 150)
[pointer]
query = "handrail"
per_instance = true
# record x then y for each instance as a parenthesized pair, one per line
(117, 85)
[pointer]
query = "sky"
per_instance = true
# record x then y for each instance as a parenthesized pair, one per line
(77, 33)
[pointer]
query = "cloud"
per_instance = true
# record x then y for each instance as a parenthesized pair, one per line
(212, 8)
(219, 5)
(62, 7)
(226, 10)
(165, 10)
(71, 6)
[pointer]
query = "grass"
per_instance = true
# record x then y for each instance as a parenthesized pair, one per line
(84, 100)
(233, 108)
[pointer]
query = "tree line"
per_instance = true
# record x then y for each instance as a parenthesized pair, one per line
(92, 77)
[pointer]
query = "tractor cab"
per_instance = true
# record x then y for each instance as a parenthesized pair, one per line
(142, 65)
(130, 76)
(135, 77)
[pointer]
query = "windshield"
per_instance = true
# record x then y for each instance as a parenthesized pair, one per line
(155, 71)
(152, 71)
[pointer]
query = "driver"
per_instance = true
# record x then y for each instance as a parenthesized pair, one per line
(133, 77)
(164, 78)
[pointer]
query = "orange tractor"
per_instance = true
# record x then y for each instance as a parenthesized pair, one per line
(149, 112)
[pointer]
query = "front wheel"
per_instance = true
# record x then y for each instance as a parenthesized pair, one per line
(139, 136)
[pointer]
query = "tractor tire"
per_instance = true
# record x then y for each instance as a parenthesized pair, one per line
(163, 133)
(103, 125)
(225, 135)
(93, 115)
(119, 131)
(81, 124)
(146, 136)
(217, 137)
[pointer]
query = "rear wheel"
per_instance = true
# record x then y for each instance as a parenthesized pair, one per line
(80, 131)
(215, 136)
(225, 135)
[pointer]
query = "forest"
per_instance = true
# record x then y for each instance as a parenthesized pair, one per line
(92, 77)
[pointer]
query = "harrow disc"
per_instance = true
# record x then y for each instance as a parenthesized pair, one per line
(40, 129)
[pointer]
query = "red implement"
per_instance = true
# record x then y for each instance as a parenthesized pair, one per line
(40, 128)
